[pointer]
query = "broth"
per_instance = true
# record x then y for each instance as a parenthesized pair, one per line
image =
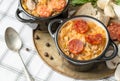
(43, 8)
(82, 40)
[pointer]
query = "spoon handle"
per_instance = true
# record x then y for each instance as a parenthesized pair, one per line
(28, 76)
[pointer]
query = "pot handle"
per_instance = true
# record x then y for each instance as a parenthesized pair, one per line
(50, 26)
(18, 12)
(115, 50)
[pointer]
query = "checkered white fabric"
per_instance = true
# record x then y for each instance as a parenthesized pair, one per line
(10, 64)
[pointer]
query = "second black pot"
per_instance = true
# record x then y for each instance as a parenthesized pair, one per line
(78, 64)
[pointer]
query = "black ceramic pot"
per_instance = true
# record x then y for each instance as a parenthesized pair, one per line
(43, 22)
(77, 64)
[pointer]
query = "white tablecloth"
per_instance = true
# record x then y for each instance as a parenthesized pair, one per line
(10, 65)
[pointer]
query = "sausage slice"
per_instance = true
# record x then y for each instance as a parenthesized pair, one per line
(76, 46)
(114, 30)
(94, 39)
(80, 26)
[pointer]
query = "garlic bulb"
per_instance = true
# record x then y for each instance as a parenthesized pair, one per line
(117, 73)
(108, 11)
(116, 9)
(30, 4)
(112, 64)
(102, 3)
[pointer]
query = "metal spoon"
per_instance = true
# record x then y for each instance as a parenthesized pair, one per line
(14, 43)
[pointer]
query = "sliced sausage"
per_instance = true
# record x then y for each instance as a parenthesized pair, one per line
(80, 26)
(44, 10)
(58, 5)
(76, 46)
(114, 30)
(94, 39)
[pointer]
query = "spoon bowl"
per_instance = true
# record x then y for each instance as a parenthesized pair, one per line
(12, 39)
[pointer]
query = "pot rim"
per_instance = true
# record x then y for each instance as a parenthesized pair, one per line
(97, 59)
(43, 18)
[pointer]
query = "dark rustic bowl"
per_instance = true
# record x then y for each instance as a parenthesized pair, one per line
(87, 64)
(43, 22)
